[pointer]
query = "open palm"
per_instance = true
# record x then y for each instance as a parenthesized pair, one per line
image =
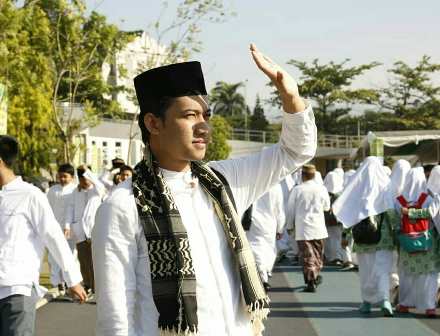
(285, 84)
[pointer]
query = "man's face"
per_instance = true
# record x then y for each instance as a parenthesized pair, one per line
(184, 133)
(84, 183)
(64, 178)
(125, 174)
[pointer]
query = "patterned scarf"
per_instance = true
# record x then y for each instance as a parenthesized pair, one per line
(172, 271)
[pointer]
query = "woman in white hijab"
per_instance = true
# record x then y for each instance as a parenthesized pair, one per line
(418, 272)
(333, 252)
(368, 195)
(434, 181)
(398, 176)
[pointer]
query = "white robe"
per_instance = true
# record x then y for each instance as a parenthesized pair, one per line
(125, 305)
(374, 274)
(58, 197)
(267, 221)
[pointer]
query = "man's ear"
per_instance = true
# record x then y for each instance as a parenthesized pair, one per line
(152, 123)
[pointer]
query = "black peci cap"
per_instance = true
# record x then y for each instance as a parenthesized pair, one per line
(175, 80)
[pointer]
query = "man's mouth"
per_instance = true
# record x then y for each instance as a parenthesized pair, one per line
(200, 141)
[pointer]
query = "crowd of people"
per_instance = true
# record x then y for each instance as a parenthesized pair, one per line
(162, 247)
(379, 221)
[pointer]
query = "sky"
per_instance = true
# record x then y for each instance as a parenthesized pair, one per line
(362, 31)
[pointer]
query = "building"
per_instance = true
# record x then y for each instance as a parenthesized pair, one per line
(111, 138)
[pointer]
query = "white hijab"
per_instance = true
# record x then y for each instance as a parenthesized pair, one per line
(434, 180)
(387, 170)
(368, 194)
(398, 176)
(415, 185)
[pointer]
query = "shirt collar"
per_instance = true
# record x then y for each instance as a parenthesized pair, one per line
(13, 185)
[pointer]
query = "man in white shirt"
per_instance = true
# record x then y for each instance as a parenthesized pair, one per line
(27, 226)
(305, 214)
(80, 219)
(266, 224)
(168, 243)
(58, 197)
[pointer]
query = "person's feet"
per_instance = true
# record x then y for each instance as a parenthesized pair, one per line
(386, 308)
(365, 307)
(310, 288)
(61, 289)
(402, 309)
(348, 266)
(430, 313)
(266, 286)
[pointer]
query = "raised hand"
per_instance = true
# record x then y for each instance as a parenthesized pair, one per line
(285, 84)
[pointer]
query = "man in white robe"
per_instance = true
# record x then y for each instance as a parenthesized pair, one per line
(80, 219)
(27, 227)
(305, 216)
(125, 292)
(58, 196)
(267, 222)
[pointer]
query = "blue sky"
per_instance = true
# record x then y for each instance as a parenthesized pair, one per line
(364, 31)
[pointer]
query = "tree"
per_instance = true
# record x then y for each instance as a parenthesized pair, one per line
(226, 99)
(80, 44)
(218, 148)
(258, 120)
(26, 71)
(177, 37)
(411, 96)
(329, 87)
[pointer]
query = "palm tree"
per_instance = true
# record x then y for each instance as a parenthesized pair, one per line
(226, 99)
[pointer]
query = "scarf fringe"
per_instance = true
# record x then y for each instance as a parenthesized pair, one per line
(173, 332)
(258, 315)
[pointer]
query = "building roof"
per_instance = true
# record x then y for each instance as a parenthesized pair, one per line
(425, 144)
(115, 129)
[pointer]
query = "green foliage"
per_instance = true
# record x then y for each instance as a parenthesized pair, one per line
(218, 148)
(329, 87)
(258, 120)
(26, 71)
(412, 96)
(80, 44)
(226, 99)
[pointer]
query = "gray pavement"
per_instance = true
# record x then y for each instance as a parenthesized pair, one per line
(332, 311)
(66, 319)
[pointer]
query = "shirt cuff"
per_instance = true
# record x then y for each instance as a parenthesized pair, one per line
(73, 276)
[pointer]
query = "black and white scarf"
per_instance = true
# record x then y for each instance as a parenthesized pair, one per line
(172, 271)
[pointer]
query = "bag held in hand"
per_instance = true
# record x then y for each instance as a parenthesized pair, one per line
(367, 231)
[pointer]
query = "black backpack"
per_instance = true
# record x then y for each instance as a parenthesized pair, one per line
(367, 231)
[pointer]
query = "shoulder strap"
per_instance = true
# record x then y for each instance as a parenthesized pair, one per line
(402, 201)
(422, 199)
(227, 187)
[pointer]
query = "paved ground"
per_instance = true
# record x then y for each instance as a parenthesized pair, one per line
(331, 312)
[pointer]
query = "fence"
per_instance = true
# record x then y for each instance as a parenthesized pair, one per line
(324, 140)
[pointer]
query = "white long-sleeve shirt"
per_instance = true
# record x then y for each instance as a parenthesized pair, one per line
(306, 206)
(81, 211)
(58, 197)
(120, 252)
(268, 219)
(27, 225)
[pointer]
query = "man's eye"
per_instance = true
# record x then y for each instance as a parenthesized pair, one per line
(190, 115)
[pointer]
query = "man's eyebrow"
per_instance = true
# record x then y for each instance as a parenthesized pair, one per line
(208, 111)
